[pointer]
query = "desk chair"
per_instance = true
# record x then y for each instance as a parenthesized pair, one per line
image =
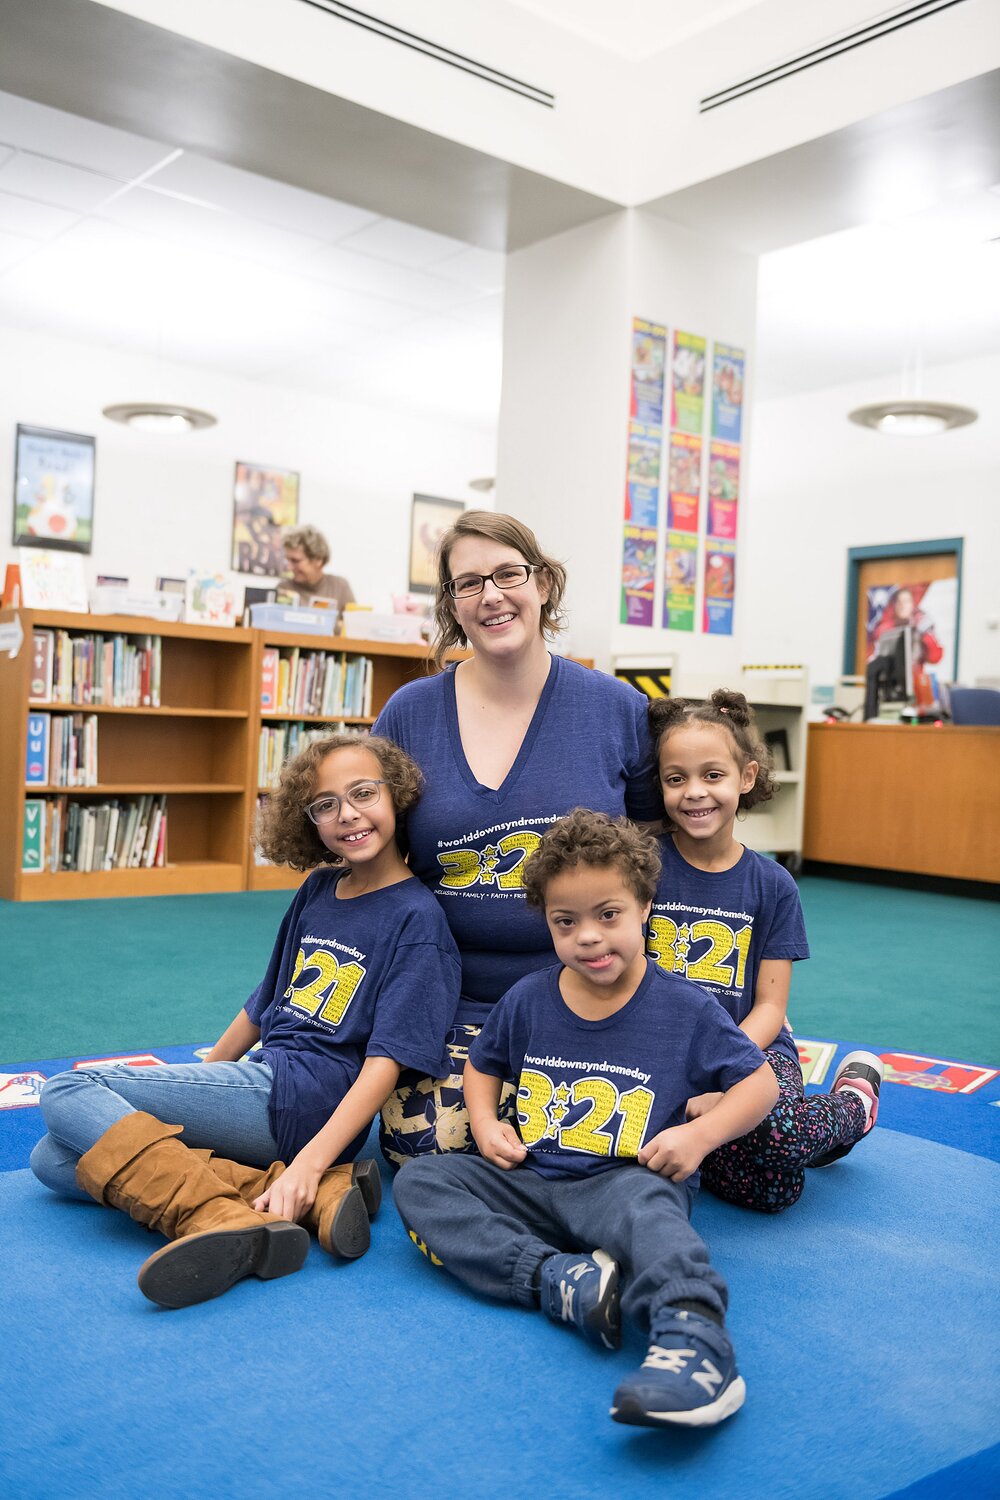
(974, 705)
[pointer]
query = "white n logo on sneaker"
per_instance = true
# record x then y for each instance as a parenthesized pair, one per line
(566, 1293)
(580, 1269)
(708, 1377)
(671, 1360)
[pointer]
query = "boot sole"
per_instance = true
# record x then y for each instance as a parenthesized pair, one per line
(203, 1266)
(350, 1232)
(366, 1176)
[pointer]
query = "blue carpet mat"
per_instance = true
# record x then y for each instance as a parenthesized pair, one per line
(864, 1321)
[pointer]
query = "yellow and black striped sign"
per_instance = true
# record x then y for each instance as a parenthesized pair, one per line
(653, 681)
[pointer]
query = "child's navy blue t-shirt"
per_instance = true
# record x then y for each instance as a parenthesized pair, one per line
(590, 1093)
(587, 745)
(373, 976)
(715, 927)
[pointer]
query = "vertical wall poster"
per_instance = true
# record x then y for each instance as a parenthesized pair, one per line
(680, 577)
(723, 488)
(720, 586)
(684, 479)
(642, 484)
(687, 418)
(727, 393)
(687, 383)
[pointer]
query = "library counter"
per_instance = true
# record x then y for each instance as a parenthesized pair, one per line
(914, 798)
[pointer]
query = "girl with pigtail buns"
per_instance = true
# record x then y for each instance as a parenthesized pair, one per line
(731, 920)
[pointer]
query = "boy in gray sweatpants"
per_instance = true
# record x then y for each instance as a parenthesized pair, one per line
(606, 1049)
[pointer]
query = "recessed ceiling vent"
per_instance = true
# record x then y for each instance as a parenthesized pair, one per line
(884, 25)
(434, 50)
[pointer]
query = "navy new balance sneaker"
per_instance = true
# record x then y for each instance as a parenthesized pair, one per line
(688, 1378)
(583, 1290)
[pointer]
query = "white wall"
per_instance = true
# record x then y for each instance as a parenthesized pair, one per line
(164, 503)
(820, 485)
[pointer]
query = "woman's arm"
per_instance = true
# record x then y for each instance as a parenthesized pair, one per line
(295, 1190)
(237, 1039)
(680, 1150)
(498, 1141)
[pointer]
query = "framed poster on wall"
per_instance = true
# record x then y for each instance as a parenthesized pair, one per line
(265, 501)
(53, 489)
(912, 588)
(430, 518)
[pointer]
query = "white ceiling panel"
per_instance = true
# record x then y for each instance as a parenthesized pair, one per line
(481, 270)
(13, 248)
(404, 244)
(36, 220)
(49, 181)
(419, 290)
(185, 223)
(260, 198)
(80, 142)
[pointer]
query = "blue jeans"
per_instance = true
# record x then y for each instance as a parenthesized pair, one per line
(221, 1105)
(492, 1228)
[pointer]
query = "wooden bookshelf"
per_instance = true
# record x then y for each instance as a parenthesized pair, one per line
(393, 664)
(198, 749)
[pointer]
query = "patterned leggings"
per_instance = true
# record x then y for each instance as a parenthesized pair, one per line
(766, 1169)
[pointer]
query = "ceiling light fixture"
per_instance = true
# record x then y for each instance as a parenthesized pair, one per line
(159, 416)
(913, 418)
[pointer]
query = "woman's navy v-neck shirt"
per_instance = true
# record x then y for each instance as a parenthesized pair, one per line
(587, 745)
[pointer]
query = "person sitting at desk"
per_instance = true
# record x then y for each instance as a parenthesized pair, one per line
(307, 552)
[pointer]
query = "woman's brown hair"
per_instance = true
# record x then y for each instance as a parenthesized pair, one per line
(286, 836)
(509, 532)
(731, 712)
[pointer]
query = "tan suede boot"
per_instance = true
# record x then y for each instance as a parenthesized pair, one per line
(139, 1167)
(347, 1198)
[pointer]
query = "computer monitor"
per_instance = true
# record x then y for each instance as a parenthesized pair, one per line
(889, 674)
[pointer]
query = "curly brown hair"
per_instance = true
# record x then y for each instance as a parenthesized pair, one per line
(590, 838)
(286, 836)
(729, 711)
(510, 532)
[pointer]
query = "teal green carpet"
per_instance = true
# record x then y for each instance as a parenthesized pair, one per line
(901, 968)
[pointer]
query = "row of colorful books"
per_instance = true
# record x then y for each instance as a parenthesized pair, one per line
(279, 742)
(119, 670)
(321, 683)
(121, 834)
(61, 750)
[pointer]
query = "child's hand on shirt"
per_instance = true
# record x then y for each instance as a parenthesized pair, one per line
(500, 1144)
(700, 1104)
(292, 1195)
(674, 1153)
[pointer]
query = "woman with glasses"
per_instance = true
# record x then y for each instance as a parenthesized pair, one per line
(508, 741)
(363, 982)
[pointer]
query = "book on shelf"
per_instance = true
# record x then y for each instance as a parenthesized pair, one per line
(36, 764)
(318, 684)
(73, 750)
(116, 671)
(280, 742)
(269, 679)
(52, 580)
(115, 834)
(33, 843)
(42, 654)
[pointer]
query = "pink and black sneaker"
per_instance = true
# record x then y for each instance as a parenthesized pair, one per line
(861, 1072)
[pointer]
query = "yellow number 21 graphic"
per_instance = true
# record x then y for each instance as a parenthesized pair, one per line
(328, 985)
